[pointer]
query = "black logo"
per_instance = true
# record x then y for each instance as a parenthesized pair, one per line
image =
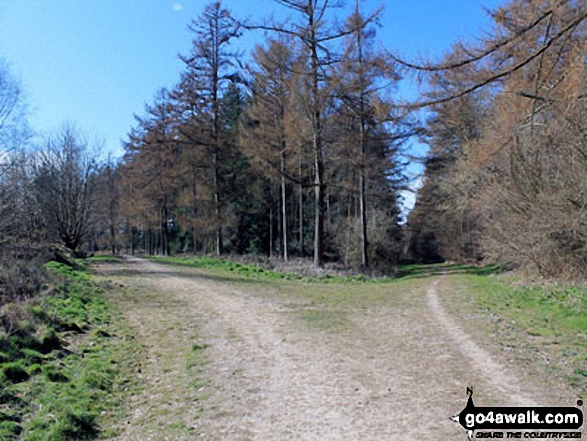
(474, 418)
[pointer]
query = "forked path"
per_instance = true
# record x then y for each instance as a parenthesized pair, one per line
(395, 373)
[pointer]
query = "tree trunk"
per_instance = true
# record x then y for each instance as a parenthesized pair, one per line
(301, 203)
(320, 186)
(112, 239)
(132, 240)
(284, 209)
(217, 207)
(165, 245)
(320, 208)
(271, 240)
(195, 210)
(363, 213)
(362, 142)
(216, 138)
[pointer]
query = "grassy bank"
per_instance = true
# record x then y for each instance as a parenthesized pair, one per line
(65, 362)
(545, 326)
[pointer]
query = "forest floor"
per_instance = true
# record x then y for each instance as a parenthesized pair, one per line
(229, 358)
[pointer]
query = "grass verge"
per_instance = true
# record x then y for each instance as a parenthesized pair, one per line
(256, 272)
(424, 270)
(546, 326)
(105, 258)
(65, 362)
(173, 390)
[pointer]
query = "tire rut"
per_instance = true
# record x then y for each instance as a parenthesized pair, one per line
(397, 373)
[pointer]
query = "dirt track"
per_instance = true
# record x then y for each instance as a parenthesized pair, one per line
(397, 373)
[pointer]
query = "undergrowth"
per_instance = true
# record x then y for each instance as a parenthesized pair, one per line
(256, 271)
(65, 362)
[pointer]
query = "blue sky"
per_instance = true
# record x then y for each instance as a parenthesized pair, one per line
(95, 63)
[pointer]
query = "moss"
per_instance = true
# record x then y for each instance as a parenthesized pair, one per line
(10, 430)
(35, 369)
(54, 374)
(56, 393)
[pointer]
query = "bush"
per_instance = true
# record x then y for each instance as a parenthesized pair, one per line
(20, 278)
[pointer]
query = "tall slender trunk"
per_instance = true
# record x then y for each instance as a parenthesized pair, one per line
(216, 139)
(195, 209)
(349, 222)
(301, 204)
(328, 211)
(278, 235)
(363, 211)
(319, 184)
(362, 145)
(164, 231)
(151, 242)
(112, 239)
(284, 233)
(217, 218)
(284, 208)
(132, 240)
(271, 240)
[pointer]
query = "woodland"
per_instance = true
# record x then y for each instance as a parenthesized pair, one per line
(298, 151)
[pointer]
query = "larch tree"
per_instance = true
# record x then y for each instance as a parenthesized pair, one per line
(212, 67)
(513, 174)
(151, 155)
(316, 38)
(267, 139)
(363, 72)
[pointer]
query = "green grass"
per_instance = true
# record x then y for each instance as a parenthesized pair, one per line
(65, 362)
(324, 320)
(544, 323)
(557, 310)
(323, 304)
(103, 258)
(256, 272)
(422, 270)
(553, 318)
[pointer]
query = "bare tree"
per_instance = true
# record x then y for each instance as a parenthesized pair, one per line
(14, 129)
(21, 238)
(363, 72)
(64, 185)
